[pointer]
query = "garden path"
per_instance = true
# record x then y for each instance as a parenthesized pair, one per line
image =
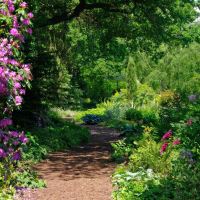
(83, 173)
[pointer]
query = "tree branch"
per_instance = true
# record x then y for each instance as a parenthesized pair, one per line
(82, 6)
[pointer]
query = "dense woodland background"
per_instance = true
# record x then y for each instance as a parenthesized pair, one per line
(80, 49)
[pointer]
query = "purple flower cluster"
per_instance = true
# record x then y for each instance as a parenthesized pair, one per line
(5, 122)
(14, 74)
(10, 144)
(10, 141)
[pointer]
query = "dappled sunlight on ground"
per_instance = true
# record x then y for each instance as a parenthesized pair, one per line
(83, 173)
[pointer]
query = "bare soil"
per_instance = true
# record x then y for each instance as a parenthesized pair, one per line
(83, 173)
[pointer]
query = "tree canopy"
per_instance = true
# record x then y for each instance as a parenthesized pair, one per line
(85, 45)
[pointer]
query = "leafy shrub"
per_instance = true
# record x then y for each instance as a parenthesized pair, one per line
(171, 109)
(29, 179)
(188, 129)
(145, 96)
(131, 186)
(133, 114)
(7, 185)
(116, 106)
(61, 137)
(121, 151)
(117, 111)
(149, 117)
(142, 116)
(181, 183)
(91, 119)
(34, 151)
(147, 155)
(147, 166)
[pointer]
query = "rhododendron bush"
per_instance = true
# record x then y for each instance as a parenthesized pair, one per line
(15, 23)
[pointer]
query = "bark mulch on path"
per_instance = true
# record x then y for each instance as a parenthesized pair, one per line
(83, 173)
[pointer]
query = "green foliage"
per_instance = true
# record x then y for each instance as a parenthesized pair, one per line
(131, 79)
(147, 155)
(177, 70)
(7, 186)
(133, 114)
(61, 113)
(188, 128)
(131, 186)
(34, 151)
(150, 173)
(144, 96)
(116, 106)
(85, 55)
(62, 136)
(171, 109)
(145, 168)
(121, 150)
(29, 179)
(182, 183)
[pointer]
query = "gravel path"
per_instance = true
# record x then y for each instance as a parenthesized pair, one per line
(83, 173)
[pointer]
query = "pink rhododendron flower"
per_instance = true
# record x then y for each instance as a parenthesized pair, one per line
(14, 62)
(22, 92)
(163, 148)
(26, 21)
(30, 31)
(30, 15)
(10, 150)
(11, 7)
(3, 12)
(14, 133)
(14, 32)
(23, 5)
(2, 153)
(23, 139)
(15, 22)
(5, 139)
(3, 86)
(5, 122)
(18, 100)
(17, 85)
(21, 38)
(167, 135)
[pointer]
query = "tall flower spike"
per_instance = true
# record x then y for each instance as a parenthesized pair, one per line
(167, 135)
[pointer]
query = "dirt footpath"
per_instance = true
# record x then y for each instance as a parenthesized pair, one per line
(83, 173)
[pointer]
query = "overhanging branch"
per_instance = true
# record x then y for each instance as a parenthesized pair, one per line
(82, 6)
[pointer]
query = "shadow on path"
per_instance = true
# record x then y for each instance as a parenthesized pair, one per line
(83, 173)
